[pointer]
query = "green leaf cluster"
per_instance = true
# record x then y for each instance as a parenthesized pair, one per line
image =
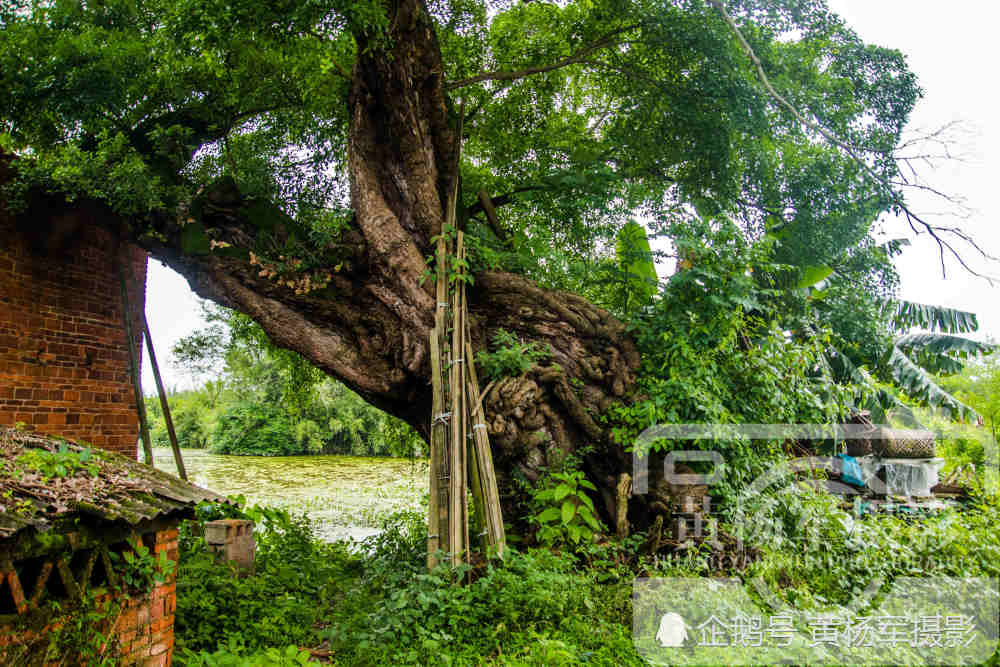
(565, 513)
(510, 356)
(235, 655)
(62, 463)
(139, 569)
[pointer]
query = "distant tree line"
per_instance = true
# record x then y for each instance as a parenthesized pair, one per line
(256, 399)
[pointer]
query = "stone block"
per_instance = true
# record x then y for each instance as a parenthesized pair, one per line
(233, 540)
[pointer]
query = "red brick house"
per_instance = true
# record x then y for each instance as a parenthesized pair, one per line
(64, 366)
(62, 546)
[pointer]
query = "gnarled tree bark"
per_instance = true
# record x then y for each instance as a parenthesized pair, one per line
(370, 326)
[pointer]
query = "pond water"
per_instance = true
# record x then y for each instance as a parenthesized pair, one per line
(346, 496)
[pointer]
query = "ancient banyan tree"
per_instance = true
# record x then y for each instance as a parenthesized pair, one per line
(362, 309)
(295, 162)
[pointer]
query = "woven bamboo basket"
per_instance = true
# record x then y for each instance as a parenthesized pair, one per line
(904, 444)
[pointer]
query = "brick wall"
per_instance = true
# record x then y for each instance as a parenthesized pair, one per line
(146, 634)
(144, 628)
(63, 357)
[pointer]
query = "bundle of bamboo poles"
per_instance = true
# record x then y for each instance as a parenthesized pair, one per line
(461, 459)
(460, 456)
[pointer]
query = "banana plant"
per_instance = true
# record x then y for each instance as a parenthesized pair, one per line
(914, 358)
(636, 267)
(911, 360)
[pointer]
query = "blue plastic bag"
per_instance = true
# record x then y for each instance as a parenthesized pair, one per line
(850, 472)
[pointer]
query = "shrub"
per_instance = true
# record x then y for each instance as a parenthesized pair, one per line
(510, 356)
(564, 511)
(296, 579)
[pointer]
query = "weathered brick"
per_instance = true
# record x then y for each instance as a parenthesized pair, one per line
(62, 341)
(156, 610)
(158, 660)
(167, 535)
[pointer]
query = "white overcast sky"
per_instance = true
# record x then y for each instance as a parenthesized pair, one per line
(951, 48)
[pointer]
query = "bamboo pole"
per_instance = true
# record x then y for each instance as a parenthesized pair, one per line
(483, 462)
(438, 435)
(171, 433)
(461, 323)
(477, 521)
(456, 467)
(140, 404)
(448, 509)
(438, 523)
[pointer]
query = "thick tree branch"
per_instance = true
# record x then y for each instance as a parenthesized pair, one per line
(503, 200)
(491, 215)
(578, 57)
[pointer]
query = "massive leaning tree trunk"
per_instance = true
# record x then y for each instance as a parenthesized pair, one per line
(370, 327)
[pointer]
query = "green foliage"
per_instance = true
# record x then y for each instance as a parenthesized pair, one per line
(635, 263)
(236, 656)
(534, 608)
(839, 554)
(309, 436)
(741, 318)
(812, 275)
(378, 605)
(139, 569)
(193, 413)
(907, 361)
(294, 586)
(565, 513)
(85, 631)
(978, 385)
(510, 356)
(142, 104)
(59, 464)
(259, 430)
(157, 103)
(943, 353)
(919, 384)
(715, 349)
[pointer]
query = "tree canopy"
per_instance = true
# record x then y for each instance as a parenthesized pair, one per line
(292, 160)
(577, 116)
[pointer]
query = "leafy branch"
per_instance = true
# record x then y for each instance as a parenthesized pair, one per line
(914, 220)
(577, 57)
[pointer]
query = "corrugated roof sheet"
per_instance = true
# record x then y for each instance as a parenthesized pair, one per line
(110, 486)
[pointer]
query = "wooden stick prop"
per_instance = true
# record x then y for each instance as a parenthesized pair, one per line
(164, 405)
(140, 404)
